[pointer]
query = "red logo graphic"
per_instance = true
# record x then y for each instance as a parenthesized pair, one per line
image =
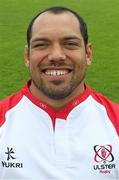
(103, 153)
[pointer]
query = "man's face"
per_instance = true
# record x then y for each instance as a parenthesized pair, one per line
(57, 58)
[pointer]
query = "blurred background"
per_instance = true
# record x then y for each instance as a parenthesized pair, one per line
(102, 18)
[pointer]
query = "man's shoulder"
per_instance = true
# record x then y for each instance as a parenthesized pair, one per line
(13, 99)
(8, 103)
(110, 107)
(105, 101)
(102, 99)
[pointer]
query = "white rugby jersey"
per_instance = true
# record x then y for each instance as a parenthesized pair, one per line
(79, 142)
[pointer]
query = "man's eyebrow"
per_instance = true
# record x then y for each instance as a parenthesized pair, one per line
(72, 38)
(39, 39)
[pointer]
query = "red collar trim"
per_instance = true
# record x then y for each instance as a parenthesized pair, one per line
(63, 113)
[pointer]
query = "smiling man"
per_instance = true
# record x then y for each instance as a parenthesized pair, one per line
(56, 127)
(57, 57)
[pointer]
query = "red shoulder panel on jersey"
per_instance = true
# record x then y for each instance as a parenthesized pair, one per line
(7, 104)
(111, 108)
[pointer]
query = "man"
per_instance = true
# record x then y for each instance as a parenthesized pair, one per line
(57, 127)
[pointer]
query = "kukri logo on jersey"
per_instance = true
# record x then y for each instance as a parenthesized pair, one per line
(10, 161)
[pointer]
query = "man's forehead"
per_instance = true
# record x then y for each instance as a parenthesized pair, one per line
(47, 25)
(46, 16)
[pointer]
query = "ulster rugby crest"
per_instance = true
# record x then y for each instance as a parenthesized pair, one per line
(103, 156)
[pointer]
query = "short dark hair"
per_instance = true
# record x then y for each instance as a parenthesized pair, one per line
(58, 10)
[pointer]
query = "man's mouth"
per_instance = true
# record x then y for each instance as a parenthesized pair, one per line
(56, 72)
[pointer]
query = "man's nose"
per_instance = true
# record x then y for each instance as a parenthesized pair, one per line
(56, 53)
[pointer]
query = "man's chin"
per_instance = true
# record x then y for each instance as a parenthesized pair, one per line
(56, 93)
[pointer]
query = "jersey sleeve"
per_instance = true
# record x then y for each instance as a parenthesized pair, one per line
(7, 104)
(111, 108)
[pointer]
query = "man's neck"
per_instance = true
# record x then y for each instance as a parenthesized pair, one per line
(60, 103)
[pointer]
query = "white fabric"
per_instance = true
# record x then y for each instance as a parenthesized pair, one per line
(65, 152)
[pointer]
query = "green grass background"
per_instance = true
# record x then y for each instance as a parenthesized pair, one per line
(102, 17)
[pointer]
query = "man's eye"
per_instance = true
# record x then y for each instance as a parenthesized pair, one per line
(71, 45)
(40, 45)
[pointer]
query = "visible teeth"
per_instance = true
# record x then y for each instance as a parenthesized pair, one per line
(56, 72)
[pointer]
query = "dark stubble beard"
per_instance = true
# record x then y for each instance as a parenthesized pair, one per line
(55, 93)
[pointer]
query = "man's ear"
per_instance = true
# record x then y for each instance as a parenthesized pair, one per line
(89, 54)
(26, 56)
